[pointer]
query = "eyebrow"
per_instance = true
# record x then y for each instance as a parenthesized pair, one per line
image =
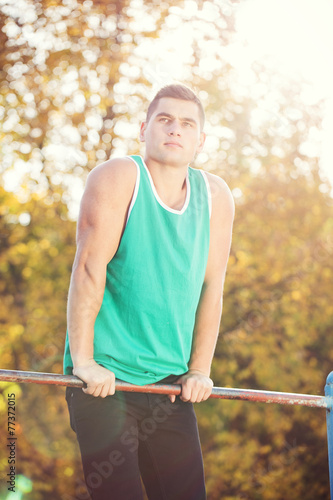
(167, 115)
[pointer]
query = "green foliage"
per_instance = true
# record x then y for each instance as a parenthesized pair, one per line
(37, 250)
(276, 325)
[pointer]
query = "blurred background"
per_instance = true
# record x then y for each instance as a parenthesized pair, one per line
(75, 81)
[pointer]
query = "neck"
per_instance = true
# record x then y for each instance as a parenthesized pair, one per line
(170, 182)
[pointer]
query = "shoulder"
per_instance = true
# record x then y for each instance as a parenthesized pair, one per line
(109, 185)
(222, 200)
(117, 172)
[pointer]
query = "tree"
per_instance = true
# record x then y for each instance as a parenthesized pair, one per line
(73, 82)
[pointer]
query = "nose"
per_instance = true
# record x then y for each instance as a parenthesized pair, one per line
(175, 129)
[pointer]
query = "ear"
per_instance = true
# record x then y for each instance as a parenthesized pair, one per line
(142, 131)
(201, 142)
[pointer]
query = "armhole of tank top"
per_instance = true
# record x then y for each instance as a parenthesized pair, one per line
(136, 188)
(209, 193)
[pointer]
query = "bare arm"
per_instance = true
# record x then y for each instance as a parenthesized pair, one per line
(101, 222)
(196, 384)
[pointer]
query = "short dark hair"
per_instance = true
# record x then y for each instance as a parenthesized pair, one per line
(176, 91)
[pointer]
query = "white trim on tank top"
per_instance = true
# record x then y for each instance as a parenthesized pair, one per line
(169, 209)
(188, 191)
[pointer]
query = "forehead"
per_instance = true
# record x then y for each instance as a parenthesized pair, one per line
(178, 108)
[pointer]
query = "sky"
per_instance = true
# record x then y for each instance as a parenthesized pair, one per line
(296, 34)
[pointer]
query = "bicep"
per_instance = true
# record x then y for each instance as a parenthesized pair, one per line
(102, 216)
(223, 210)
(99, 229)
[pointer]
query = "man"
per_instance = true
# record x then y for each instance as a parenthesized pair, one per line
(144, 306)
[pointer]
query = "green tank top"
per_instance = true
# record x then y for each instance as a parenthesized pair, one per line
(143, 331)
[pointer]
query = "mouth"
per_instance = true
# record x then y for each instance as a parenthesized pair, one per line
(173, 144)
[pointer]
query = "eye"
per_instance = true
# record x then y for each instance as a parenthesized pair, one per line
(164, 120)
(187, 124)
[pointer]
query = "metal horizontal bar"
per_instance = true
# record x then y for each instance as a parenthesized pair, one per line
(284, 398)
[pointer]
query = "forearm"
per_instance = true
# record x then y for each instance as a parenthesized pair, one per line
(84, 302)
(196, 383)
(206, 331)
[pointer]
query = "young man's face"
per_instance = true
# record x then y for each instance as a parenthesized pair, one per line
(173, 133)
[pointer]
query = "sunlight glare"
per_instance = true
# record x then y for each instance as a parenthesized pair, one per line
(295, 36)
(297, 33)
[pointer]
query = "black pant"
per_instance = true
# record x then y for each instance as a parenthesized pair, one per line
(128, 435)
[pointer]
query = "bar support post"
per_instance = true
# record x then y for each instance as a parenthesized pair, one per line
(329, 423)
